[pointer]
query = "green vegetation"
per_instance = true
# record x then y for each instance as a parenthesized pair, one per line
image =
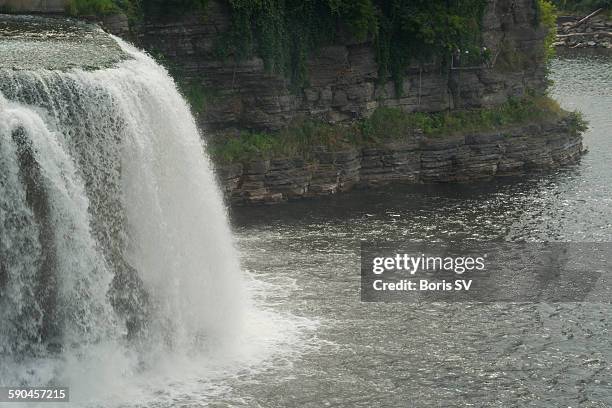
(577, 122)
(417, 31)
(285, 33)
(385, 125)
(196, 94)
(548, 17)
(510, 58)
(192, 88)
(390, 122)
(298, 140)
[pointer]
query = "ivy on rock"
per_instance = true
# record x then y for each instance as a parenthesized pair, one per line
(285, 32)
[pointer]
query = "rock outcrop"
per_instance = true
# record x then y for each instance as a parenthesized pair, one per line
(343, 77)
(418, 159)
(344, 86)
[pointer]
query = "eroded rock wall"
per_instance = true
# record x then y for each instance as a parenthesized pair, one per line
(418, 159)
(343, 78)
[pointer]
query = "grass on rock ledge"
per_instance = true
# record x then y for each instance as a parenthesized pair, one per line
(386, 125)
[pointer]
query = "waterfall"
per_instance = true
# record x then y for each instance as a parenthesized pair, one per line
(114, 240)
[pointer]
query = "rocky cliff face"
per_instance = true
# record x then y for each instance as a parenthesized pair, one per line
(417, 159)
(344, 85)
(343, 77)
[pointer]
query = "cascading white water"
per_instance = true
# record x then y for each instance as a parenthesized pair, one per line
(114, 242)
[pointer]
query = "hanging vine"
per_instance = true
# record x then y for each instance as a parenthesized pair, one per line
(285, 32)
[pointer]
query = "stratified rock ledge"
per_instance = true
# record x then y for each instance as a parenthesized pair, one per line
(419, 159)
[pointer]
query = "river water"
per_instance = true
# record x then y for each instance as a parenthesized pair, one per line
(440, 355)
(103, 177)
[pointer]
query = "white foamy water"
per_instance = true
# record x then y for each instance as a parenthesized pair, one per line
(118, 273)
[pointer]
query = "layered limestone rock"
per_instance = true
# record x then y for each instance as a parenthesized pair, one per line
(418, 159)
(343, 77)
(344, 85)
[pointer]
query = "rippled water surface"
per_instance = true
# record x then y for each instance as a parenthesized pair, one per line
(441, 355)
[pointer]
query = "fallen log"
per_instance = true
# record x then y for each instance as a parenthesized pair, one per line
(587, 18)
(593, 33)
